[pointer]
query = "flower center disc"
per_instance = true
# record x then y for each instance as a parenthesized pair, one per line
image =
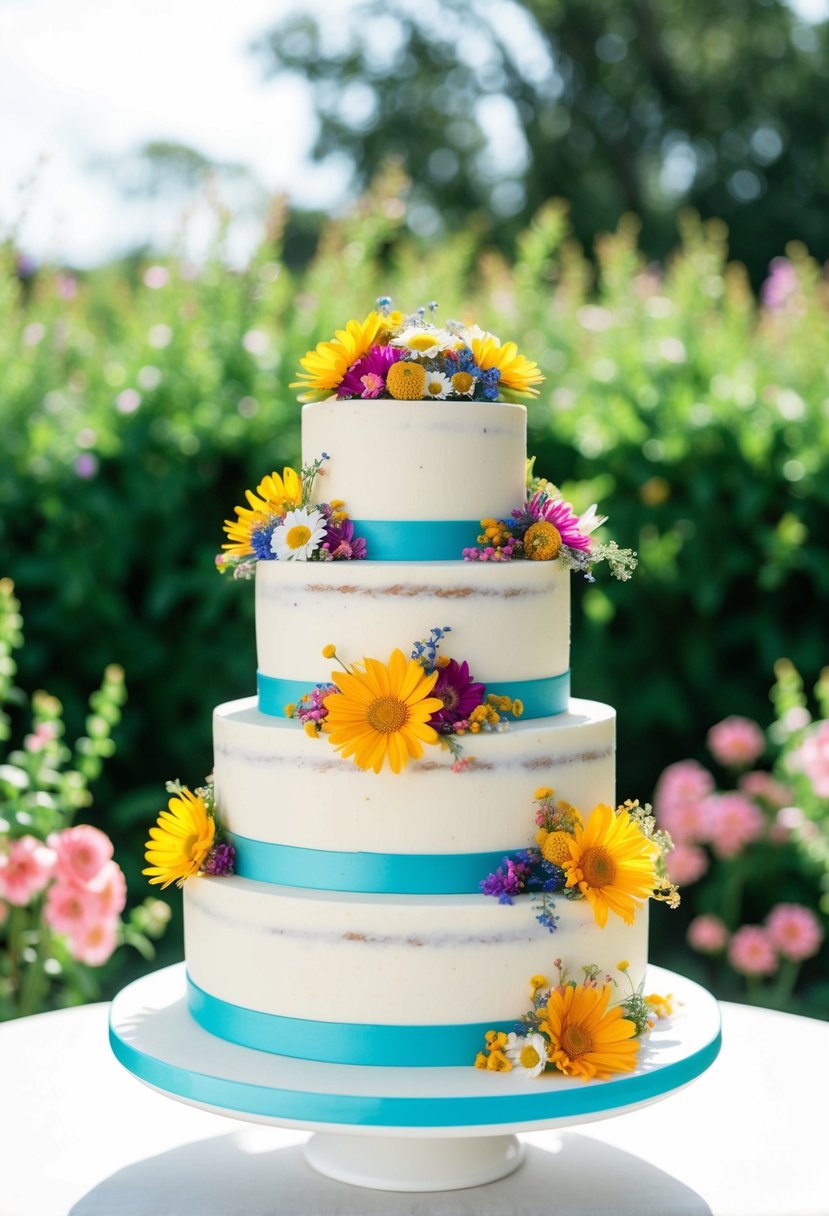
(597, 866)
(449, 697)
(298, 536)
(542, 541)
(387, 714)
(575, 1041)
(529, 1057)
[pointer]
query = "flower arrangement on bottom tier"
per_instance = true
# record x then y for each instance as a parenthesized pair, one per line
(577, 1029)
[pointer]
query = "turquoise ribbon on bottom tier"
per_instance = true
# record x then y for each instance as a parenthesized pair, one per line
(340, 1042)
(542, 698)
(417, 540)
(378, 873)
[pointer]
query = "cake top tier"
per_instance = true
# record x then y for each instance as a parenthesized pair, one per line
(412, 358)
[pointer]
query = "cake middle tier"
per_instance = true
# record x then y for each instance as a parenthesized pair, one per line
(302, 815)
(509, 621)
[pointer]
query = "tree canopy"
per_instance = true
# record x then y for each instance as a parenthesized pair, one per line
(495, 106)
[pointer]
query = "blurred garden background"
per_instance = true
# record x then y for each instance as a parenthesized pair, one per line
(635, 193)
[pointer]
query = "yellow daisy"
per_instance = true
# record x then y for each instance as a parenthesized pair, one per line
(274, 496)
(180, 841)
(325, 366)
(611, 863)
(382, 713)
(518, 373)
(587, 1039)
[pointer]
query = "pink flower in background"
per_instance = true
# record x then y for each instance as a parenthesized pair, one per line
(682, 783)
(25, 870)
(751, 951)
(70, 907)
(759, 784)
(795, 931)
(734, 821)
(736, 742)
(82, 852)
(686, 822)
(813, 758)
(95, 944)
(686, 863)
(780, 285)
(109, 888)
(43, 733)
(708, 934)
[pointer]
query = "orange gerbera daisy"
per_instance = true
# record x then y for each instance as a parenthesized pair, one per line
(587, 1039)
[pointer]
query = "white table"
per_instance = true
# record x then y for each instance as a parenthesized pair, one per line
(79, 1136)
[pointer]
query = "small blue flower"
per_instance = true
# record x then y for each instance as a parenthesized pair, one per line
(260, 542)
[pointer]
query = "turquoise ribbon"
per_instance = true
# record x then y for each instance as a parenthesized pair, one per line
(548, 1101)
(417, 540)
(379, 873)
(543, 698)
(339, 1042)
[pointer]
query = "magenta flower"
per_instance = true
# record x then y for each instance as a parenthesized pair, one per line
(220, 860)
(459, 694)
(561, 515)
(341, 543)
(367, 377)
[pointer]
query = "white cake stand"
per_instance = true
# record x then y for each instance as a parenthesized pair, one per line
(407, 1128)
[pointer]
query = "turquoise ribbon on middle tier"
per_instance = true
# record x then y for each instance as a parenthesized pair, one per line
(417, 540)
(378, 873)
(542, 698)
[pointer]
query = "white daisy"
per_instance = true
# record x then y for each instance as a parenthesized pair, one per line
(437, 385)
(590, 520)
(424, 341)
(299, 535)
(527, 1052)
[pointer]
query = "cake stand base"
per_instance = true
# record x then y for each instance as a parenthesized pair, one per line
(446, 1164)
(399, 1129)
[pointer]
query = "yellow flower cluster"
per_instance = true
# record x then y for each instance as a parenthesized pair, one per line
(495, 533)
(493, 1058)
(660, 1006)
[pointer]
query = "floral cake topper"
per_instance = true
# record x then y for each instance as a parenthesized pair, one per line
(412, 358)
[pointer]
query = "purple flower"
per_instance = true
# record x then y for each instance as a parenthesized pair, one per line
(780, 285)
(341, 543)
(367, 377)
(459, 694)
(220, 860)
(508, 880)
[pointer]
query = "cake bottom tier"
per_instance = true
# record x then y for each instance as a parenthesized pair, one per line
(382, 979)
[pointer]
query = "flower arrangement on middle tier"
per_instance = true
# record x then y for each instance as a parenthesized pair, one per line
(187, 838)
(281, 523)
(378, 713)
(613, 859)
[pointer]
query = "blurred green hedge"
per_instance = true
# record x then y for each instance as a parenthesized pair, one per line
(138, 401)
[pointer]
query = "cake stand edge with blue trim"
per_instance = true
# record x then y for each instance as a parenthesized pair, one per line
(405, 1128)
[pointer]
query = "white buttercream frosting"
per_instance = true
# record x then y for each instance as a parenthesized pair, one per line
(388, 959)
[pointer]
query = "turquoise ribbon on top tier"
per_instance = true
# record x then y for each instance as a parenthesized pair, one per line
(378, 873)
(417, 540)
(543, 698)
